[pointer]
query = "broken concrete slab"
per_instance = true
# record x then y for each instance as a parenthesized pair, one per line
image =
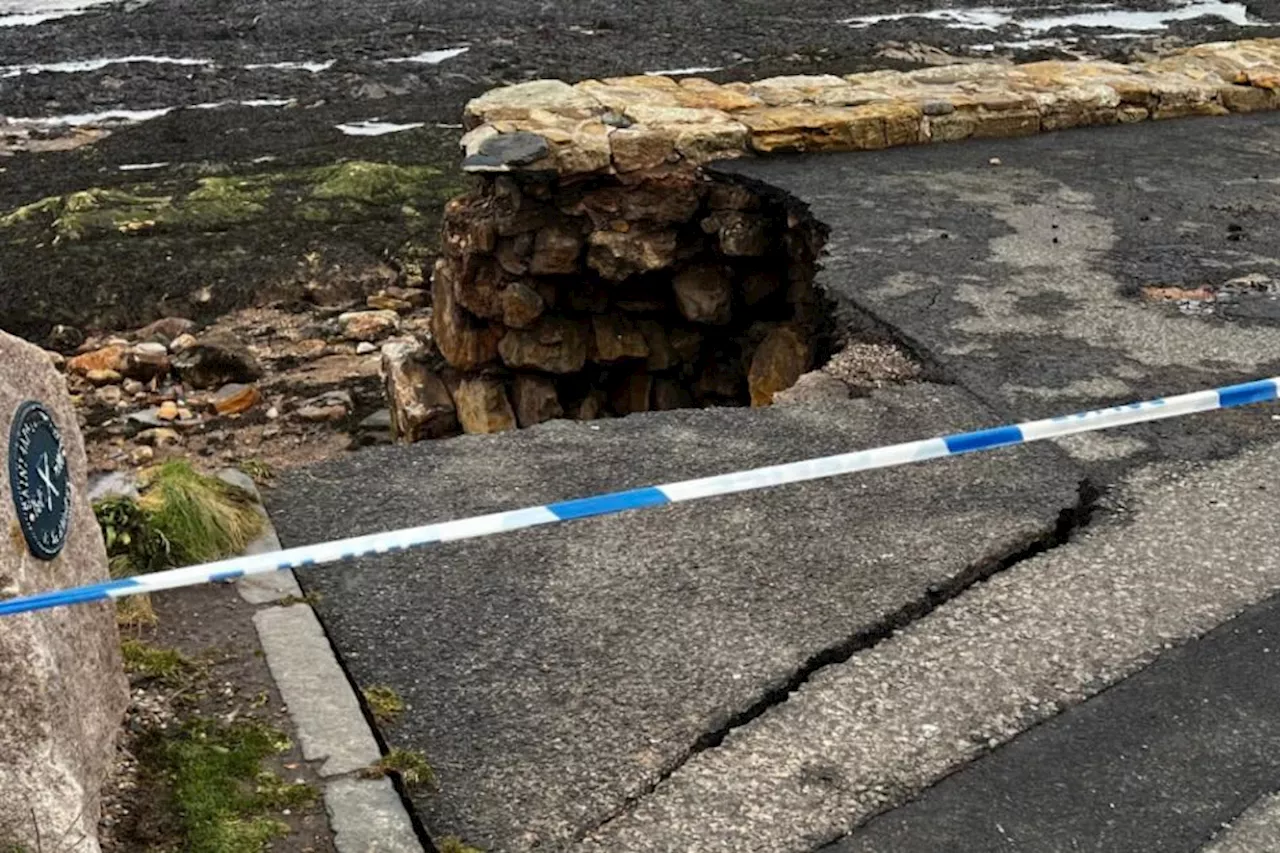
(1194, 546)
(367, 816)
(555, 674)
(1023, 281)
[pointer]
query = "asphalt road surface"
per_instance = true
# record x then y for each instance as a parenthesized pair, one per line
(723, 677)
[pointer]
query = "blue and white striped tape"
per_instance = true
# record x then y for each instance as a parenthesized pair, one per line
(1248, 393)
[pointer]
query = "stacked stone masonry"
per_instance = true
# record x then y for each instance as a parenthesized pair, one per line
(597, 270)
(628, 124)
(611, 296)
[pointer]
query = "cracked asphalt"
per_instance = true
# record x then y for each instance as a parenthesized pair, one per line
(768, 672)
(595, 705)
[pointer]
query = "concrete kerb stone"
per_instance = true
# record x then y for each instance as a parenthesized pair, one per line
(262, 589)
(366, 815)
(620, 125)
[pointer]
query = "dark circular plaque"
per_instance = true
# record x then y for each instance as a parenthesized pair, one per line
(39, 481)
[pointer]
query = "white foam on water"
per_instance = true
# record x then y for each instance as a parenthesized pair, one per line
(1097, 16)
(78, 66)
(373, 127)
(142, 167)
(120, 116)
(1022, 44)
(253, 102)
(960, 19)
(106, 117)
(431, 57)
(1135, 21)
(312, 67)
(684, 72)
(28, 13)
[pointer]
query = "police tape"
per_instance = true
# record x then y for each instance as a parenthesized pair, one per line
(1248, 393)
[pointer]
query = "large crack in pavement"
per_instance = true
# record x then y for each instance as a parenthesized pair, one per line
(1070, 521)
(603, 653)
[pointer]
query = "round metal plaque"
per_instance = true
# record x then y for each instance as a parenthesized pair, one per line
(38, 478)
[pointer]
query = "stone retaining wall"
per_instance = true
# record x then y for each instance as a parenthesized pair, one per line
(629, 124)
(610, 296)
(598, 270)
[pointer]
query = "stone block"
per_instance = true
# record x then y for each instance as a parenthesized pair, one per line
(420, 404)
(483, 406)
(552, 345)
(704, 294)
(614, 338)
(616, 255)
(463, 341)
(536, 400)
(63, 683)
(782, 357)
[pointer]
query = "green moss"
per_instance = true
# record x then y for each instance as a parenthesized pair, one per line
(98, 211)
(168, 666)
(346, 193)
(180, 517)
(412, 768)
(220, 790)
(261, 472)
(274, 793)
(309, 211)
(372, 183)
(384, 703)
(45, 207)
(454, 844)
(219, 202)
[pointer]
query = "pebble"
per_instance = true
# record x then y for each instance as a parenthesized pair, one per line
(364, 348)
(103, 377)
(159, 437)
(181, 342)
(109, 395)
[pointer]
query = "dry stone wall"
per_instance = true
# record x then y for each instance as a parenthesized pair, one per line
(597, 270)
(617, 295)
(629, 124)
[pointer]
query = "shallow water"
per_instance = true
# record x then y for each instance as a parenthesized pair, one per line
(1101, 16)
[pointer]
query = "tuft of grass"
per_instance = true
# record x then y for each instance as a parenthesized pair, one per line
(168, 666)
(135, 612)
(203, 518)
(222, 795)
(410, 766)
(180, 517)
(309, 598)
(454, 844)
(385, 704)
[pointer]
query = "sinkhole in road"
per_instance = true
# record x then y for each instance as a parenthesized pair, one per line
(619, 294)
